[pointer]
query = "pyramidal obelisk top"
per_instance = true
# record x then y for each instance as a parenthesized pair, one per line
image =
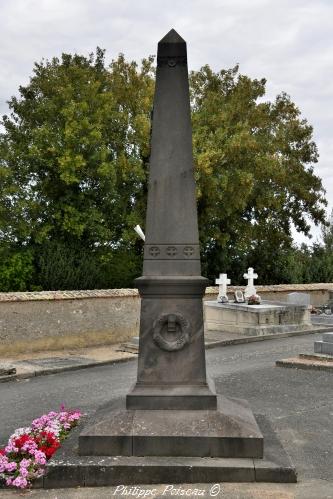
(172, 241)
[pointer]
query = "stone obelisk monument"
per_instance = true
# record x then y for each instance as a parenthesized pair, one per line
(171, 365)
(171, 410)
(173, 423)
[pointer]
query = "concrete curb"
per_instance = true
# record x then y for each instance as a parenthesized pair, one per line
(306, 361)
(251, 339)
(56, 370)
(229, 342)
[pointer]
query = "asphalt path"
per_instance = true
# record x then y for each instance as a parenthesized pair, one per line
(298, 403)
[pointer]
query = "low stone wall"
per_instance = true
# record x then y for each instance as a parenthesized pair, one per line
(55, 320)
(68, 319)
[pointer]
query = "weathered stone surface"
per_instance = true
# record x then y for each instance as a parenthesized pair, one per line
(109, 437)
(299, 298)
(171, 364)
(323, 347)
(49, 323)
(172, 240)
(328, 337)
(326, 345)
(276, 465)
(230, 431)
(171, 397)
(256, 320)
(68, 469)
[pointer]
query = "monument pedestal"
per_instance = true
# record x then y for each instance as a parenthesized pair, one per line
(171, 362)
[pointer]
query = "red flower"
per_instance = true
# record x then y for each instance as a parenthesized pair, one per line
(2, 452)
(49, 451)
(20, 441)
(47, 443)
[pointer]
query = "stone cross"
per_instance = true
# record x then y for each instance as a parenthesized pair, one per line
(250, 289)
(223, 281)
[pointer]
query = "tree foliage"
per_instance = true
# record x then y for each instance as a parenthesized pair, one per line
(74, 162)
(255, 172)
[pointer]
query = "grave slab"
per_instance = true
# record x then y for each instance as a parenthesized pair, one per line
(256, 320)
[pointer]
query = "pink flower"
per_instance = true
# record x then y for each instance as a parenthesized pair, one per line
(3, 463)
(24, 472)
(40, 457)
(25, 463)
(10, 447)
(20, 482)
(11, 466)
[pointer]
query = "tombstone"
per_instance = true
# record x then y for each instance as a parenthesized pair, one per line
(239, 296)
(250, 289)
(299, 298)
(330, 299)
(223, 282)
(325, 346)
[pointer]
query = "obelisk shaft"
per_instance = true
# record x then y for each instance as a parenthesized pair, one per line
(171, 363)
(172, 241)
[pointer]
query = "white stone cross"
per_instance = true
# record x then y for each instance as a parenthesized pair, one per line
(223, 281)
(250, 289)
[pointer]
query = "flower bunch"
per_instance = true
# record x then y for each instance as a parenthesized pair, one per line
(254, 300)
(28, 449)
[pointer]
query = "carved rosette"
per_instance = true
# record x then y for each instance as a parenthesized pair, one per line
(172, 251)
(181, 336)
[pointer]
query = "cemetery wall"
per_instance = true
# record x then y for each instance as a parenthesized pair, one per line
(71, 319)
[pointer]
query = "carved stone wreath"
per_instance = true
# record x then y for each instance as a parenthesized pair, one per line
(182, 338)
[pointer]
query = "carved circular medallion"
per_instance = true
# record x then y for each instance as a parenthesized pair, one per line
(171, 332)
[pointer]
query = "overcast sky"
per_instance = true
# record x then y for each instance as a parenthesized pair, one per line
(288, 42)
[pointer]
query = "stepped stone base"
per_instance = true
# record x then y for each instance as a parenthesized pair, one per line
(68, 469)
(230, 431)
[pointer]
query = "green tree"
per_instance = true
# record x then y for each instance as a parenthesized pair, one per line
(254, 166)
(74, 160)
(321, 256)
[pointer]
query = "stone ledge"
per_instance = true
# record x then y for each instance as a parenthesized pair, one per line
(128, 292)
(67, 295)
(278, 288)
